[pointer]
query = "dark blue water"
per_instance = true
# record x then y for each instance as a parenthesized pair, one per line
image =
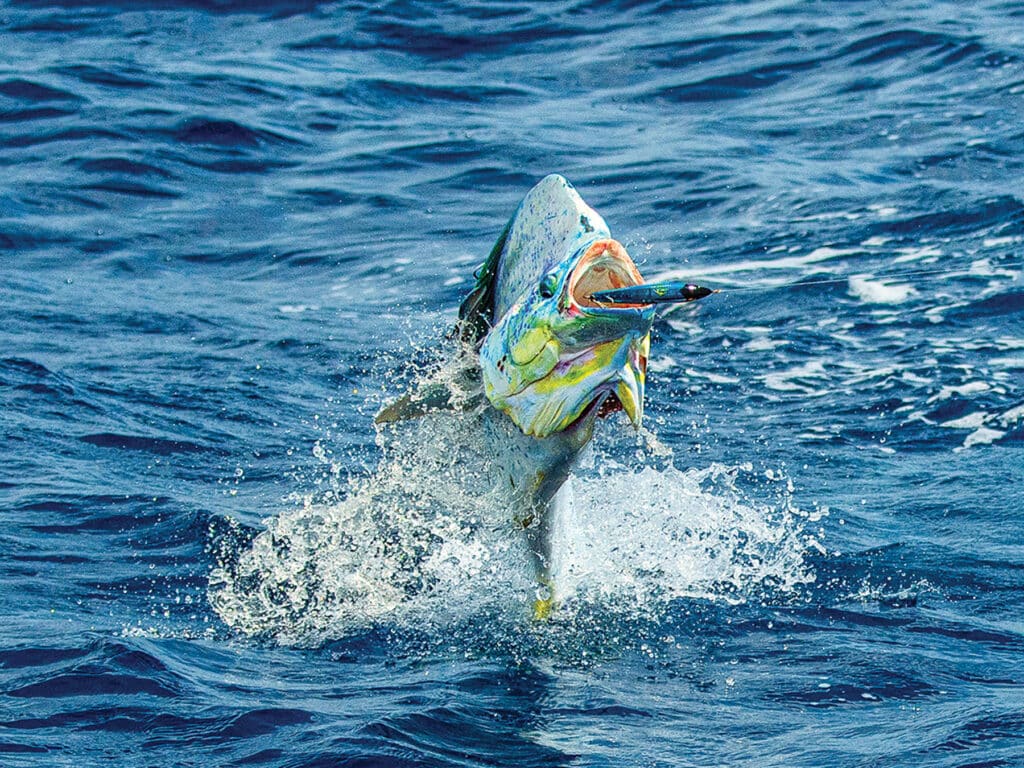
(227, 227)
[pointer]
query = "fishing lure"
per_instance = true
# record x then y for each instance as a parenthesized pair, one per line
(652, 293)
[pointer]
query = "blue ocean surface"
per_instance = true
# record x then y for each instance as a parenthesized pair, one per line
(230, 231)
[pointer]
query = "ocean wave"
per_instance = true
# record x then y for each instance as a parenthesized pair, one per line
(230, 229)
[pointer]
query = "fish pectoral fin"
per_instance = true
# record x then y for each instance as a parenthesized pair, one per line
(426, 399)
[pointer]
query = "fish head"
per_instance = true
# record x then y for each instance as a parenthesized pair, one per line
(552, 358)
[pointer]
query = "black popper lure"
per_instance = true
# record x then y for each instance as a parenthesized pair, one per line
(673, 292)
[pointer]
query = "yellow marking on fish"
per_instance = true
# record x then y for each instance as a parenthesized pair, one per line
(544, 603)
(530, 344)
(601, 356)
(542, 609)
(630, 402)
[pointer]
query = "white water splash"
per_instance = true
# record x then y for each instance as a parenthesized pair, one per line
(429, 541)
(879, 291)
(638, 538)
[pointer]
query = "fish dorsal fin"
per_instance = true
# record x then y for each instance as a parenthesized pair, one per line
(477, 309)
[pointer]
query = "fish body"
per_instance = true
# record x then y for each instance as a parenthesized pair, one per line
(550, 359)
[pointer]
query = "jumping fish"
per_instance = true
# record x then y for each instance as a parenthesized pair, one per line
(551, 358)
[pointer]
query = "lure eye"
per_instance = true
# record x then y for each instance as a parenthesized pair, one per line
(548, 286)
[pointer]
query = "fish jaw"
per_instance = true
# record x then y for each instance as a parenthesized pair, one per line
(557, 359)
(631, 381)
(595, 382)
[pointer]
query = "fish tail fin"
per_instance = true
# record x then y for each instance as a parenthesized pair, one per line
(544, 600)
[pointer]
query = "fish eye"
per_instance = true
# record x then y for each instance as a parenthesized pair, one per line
(548, 285)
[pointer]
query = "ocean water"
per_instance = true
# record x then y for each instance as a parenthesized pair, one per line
(230, 231)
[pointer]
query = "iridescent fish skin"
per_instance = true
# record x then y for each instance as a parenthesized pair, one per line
(551, 353)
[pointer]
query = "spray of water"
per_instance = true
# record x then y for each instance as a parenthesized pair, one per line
(429, 540)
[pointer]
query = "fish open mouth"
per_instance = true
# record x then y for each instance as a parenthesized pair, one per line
(605, 403)
(604, 266)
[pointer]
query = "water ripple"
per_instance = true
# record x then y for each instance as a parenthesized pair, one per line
(231, 230)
